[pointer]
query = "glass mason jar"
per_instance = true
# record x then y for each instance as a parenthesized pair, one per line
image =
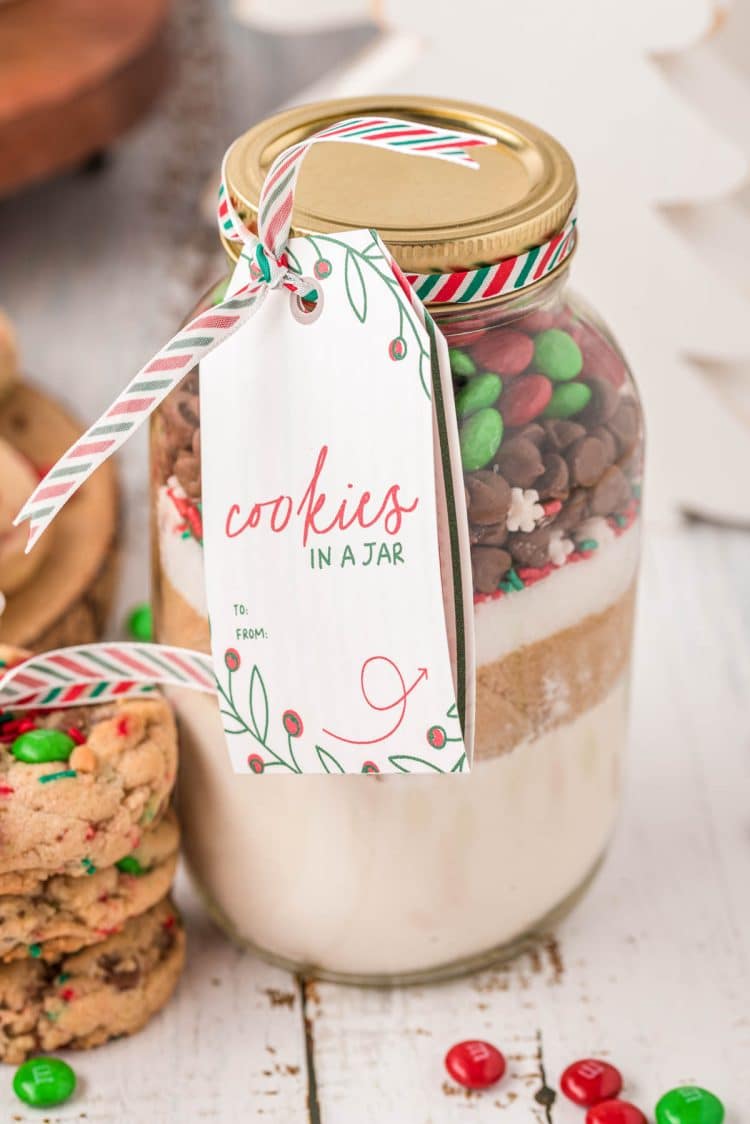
(404, 878)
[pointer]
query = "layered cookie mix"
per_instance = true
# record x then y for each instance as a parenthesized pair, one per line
(551, 442)
(551, 439)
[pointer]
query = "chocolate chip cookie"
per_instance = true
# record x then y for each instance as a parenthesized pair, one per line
(83, 801)
(48, 916)
(107, 990)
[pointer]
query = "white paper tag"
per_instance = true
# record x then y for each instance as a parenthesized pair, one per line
(331, 474)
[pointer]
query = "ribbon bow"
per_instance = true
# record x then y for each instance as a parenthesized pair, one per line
(261, 254)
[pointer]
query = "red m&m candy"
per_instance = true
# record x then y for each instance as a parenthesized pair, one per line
(587, 1082)
(475, 1064)
(506, 352)
(524, 399)
(615, 1112)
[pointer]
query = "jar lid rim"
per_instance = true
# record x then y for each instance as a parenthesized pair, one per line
(434, 216)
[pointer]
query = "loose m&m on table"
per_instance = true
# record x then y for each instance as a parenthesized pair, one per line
(589, 1081)
(615, 1112)
(475, 1064)
(689, 1104)
(44, 1082)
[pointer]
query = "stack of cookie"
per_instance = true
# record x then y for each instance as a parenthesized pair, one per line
(90, 943)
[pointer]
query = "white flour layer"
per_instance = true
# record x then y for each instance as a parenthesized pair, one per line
(391, 875)
(559, 601)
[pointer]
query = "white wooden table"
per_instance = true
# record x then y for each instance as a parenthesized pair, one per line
(653, 968)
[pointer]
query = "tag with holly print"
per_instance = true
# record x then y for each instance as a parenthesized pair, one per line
(335, 532)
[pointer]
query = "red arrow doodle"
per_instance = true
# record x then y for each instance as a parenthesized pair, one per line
(399, 701)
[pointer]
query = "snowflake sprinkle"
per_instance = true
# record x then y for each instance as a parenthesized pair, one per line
(559, 548)
(525, 510)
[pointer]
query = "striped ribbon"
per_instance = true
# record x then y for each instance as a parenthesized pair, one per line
(262, 266)
(95, 673)
(507, 276)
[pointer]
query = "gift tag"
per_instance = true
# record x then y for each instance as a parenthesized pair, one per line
(335, 532)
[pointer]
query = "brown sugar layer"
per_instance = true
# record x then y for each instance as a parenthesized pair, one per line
(526, 693)
(177, 621)
(549, 683)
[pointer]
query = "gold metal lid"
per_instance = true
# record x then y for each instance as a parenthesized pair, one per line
(433, 215)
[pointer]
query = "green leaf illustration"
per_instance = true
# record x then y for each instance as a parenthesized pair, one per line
(293, 260)
(328, 761)
(355, 286)
(425, 373)
(459, 766)
(452, 712)
(258, 705)
(399, 759)
(239, 729)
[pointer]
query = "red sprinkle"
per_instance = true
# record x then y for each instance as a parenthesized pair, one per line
(67, 994)
(168, 923)
(475, 1064)
(551, 507)
(78, 737)
(11, 730)
(615, 1112)
(90, 832)
(588, 1081)
(123, 727)
(6, 789)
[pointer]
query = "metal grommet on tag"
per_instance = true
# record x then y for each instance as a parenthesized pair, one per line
(304, 310)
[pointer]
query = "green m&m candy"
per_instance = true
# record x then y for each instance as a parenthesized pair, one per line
(483, 390)
(44, 1082)
(480, 438)
(461, 362)
(131, 865)
(141, 624)
(567, 399)
(689, 1104)
(557, 355)
(36, 747)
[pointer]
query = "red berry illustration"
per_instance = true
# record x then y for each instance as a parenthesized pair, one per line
(232, 659)
(256, 763)
(397, 348)
(437, 737)
(292, 723)
(322, 268)
(370, 767)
